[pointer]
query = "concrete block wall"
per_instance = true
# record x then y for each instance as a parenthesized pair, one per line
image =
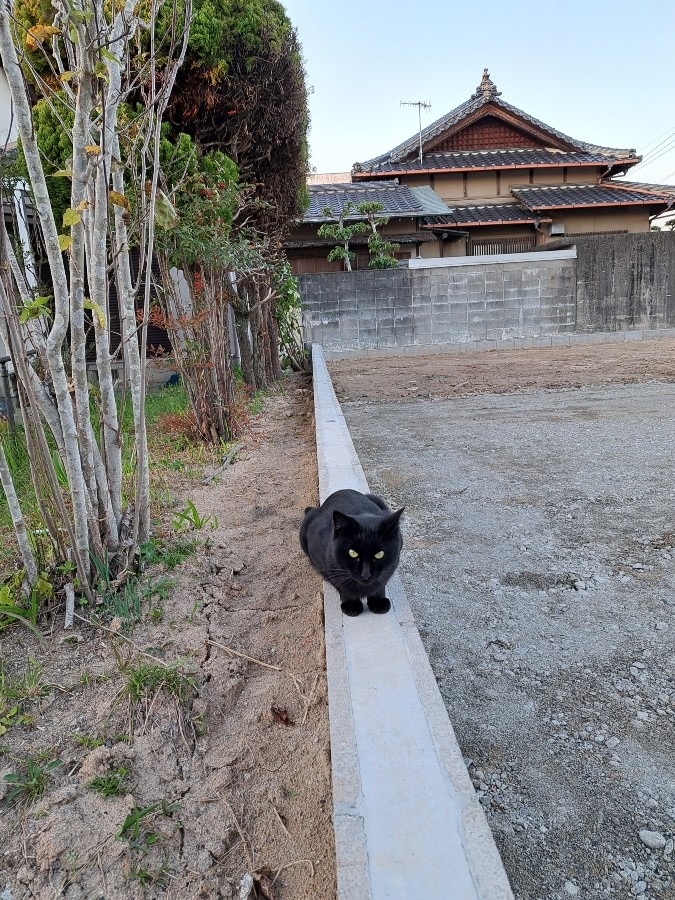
(620, 284)
(473, 300)
(625, 282)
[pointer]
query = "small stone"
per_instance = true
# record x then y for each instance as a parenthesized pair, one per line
(571, 889)
(668, 849)
(640, 888)
(652, 839)
(70, 638)
(661, 626)
(238, 566)
(612, 742)
(24, 875)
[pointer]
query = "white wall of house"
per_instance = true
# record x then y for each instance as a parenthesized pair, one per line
(8, 130)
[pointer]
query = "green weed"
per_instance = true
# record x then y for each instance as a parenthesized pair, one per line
(190, 517)
(146, 679)
(138, 827)
(114, 784)
(160, 877)
(170, 555)
(29, 686)
(15, 606)
(17, 691)
(87, 741)
(29, 786)
(126, 602)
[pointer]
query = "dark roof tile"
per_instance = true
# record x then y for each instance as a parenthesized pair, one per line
(567, 196)
(488, 159)
(397, 199)
(493, 214)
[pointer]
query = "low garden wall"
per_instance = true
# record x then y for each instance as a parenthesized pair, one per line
(604, 283)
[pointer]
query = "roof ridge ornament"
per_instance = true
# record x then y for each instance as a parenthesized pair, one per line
(487, 88)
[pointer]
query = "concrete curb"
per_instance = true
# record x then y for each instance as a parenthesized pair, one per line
(407, 822)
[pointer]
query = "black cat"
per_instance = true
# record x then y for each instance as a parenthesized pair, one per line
(354, 541)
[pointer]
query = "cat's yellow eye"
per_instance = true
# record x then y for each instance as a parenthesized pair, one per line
(379, 554)
(353, 554)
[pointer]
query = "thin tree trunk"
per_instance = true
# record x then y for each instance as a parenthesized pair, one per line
(128, 324)
(59, 328)
(273, 329)
(82, 560)
(257, 346)
(17, 520)
(78, 350)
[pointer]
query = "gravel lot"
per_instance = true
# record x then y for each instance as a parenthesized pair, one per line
(539, 559)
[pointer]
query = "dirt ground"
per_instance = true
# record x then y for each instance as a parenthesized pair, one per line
(539, 559)
(502, 371)
(222, 764)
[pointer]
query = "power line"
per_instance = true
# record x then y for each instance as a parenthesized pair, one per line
(648, 160)
(668, 131)
(652, 159)
(654, 151)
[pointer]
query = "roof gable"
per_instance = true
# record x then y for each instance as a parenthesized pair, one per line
(489, 132)
(486, 103)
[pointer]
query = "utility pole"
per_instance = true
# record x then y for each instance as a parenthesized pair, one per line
(420, 104)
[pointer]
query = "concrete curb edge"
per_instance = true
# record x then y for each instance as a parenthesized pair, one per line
(379, 855)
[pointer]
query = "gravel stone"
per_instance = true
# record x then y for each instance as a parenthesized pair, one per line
(652, 839)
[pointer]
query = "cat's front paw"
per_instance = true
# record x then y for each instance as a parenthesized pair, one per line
(379, 605)
(351, 607)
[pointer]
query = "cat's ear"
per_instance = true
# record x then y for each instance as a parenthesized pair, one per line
(390, 522)
(343, 524)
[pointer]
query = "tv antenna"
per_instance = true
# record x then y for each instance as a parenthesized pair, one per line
(420, 104)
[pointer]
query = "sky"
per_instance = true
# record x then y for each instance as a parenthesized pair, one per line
(600, 72)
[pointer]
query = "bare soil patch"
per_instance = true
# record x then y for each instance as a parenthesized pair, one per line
(449, 375)
(219, 766)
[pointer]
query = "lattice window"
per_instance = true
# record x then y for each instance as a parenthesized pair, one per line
(492, 246)
(489, 133)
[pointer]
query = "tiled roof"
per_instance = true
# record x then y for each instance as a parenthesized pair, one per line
(487, 214)
(487, 94)
(397, 199)
(668, 189)
(430, 200)
(487, 159)
(568, 196)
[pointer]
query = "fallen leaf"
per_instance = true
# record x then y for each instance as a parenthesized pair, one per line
(281, 716)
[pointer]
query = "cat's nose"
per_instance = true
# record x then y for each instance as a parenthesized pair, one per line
(365, 571)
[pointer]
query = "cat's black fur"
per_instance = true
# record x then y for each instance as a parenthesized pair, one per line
(363, 523)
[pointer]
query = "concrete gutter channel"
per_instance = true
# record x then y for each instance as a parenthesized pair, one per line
(407, 822)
